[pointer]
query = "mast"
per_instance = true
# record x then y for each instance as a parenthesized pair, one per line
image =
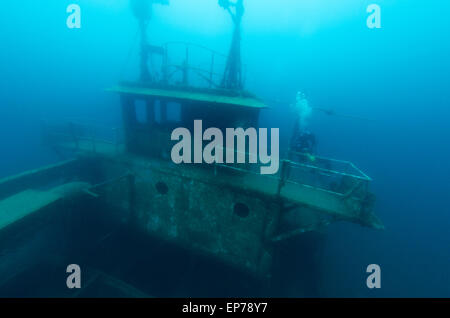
(142, 10)
(232, 78)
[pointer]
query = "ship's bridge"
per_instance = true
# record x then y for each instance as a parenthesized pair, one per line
(151, 112)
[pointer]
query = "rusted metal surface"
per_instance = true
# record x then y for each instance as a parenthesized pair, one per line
(225, 212)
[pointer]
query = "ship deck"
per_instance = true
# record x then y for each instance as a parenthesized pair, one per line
(341, 206)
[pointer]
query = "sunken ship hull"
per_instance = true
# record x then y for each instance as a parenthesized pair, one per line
(227, 215)
(140, 225)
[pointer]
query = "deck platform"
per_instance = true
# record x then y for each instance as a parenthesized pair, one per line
(198, 96)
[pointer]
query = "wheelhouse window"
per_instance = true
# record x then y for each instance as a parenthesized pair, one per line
(141, 111)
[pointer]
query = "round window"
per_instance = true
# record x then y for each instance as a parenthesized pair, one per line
(162, 188)
(241, 210)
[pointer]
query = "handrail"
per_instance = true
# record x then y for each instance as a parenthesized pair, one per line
(326, 170)
(208, 74)
(282, 177)
(89, 134)
(194, 45)
(362, 176)
(77, 121)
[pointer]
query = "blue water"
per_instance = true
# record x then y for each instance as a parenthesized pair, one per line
(396, 79)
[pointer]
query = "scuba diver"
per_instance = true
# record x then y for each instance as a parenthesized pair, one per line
(303, 141)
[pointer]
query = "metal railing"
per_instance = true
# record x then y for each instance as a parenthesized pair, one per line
(337, 177)
(180, 69)
(75, 133)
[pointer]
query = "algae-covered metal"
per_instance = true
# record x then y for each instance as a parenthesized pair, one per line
(123, 180)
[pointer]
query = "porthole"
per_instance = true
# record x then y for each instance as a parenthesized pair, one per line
(241, 210)
(162, 188)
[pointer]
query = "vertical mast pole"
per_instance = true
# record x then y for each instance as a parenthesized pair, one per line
(232, 78)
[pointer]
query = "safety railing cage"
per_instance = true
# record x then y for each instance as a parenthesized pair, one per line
(338, 177)
(188, 65)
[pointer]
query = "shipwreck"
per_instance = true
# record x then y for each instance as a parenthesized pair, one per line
(120, 208)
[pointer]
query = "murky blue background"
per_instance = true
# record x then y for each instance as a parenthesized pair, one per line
(397, 77)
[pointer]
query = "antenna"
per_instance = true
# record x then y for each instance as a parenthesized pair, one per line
(232, 78)
(142, 10)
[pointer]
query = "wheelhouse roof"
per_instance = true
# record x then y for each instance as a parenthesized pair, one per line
(200, 96)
